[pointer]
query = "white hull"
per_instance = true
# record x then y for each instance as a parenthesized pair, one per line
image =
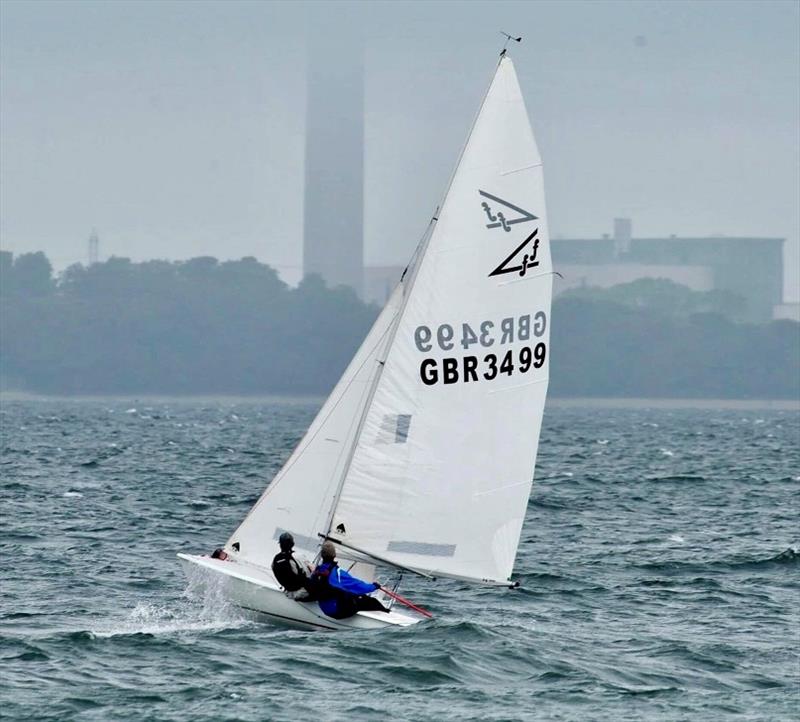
(255, 590)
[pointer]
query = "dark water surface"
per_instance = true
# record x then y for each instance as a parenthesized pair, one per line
(659, 564)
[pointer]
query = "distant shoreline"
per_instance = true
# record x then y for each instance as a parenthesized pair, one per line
(559, 402)
(645, 403)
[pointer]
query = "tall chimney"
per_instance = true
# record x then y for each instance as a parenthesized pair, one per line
(333, 236)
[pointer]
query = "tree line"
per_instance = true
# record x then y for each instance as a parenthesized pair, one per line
(208, 327)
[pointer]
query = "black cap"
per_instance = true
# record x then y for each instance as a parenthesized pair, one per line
(286, 540)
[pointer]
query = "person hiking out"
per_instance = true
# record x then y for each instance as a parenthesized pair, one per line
(341, 595)
(289, 572)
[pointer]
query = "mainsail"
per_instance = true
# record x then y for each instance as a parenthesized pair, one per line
(424, 454)
(443, 464)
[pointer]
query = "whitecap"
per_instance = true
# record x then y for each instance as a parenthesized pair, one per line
(602, 442)
(677, 538)
(72, 495)
(667, 452)
(130, 411)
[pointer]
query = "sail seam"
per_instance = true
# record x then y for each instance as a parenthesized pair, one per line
(502, 488)
(525, 167)
(526, 278)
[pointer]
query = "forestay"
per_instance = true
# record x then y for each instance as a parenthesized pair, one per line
(443, 459)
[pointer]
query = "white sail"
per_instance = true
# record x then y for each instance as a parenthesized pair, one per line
(444, 457)
(300, 497)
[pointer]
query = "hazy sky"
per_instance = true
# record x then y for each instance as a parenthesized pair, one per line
(176, 128)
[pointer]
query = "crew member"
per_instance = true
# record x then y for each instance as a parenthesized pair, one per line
(341, 595)
(287, 570)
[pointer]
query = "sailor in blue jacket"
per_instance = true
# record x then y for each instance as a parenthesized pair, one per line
(341, 595)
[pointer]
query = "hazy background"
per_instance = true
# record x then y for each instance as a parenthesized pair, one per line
(177, 128)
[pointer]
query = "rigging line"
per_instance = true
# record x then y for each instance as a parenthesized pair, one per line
(391, 329)
(394, 324)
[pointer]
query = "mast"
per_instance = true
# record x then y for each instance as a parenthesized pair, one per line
(416, 264)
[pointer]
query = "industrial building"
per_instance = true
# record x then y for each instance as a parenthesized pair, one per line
(750, 267)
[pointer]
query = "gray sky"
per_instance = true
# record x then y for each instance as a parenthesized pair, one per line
(177, 128)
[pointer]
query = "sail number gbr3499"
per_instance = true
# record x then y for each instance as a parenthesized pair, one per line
(476, 362)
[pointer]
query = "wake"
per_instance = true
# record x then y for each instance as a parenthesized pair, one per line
(203, 608)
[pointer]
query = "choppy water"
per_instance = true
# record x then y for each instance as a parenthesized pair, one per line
(659, 567)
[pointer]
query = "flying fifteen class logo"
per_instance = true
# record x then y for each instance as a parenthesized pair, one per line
(524, 256)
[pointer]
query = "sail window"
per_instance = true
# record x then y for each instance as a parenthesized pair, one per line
(394, 429)
(422, 548)
(403, 425)
(304, 542)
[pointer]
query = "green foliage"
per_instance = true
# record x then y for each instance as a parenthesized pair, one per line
(205, 327)
(602, 348)
(198, 326)
(29, 275)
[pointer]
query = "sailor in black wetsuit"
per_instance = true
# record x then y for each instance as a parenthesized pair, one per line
(289, 572)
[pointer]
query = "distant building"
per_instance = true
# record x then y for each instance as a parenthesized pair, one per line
(787, 311)
(752, 268)
(333, 243)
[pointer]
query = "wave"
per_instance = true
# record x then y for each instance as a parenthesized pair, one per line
(678, 478)
(789, 556)
(539, 503)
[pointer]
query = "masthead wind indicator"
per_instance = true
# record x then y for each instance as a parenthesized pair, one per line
(509, 38)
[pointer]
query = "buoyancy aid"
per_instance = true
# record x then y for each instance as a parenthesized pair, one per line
(288, 572)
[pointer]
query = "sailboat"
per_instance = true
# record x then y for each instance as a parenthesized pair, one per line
(422, 458)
